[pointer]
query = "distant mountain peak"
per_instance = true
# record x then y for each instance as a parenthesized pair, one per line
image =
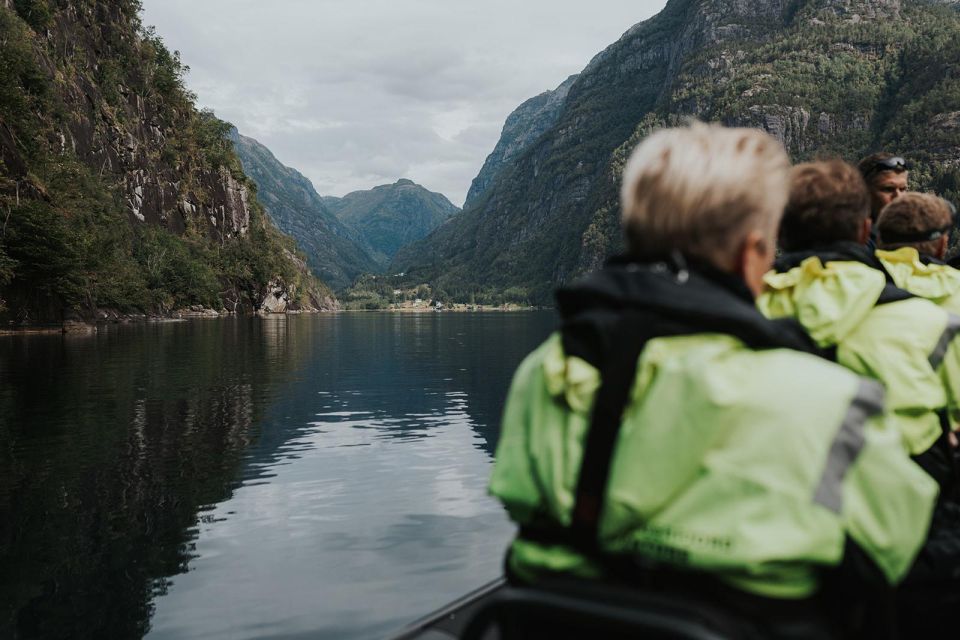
(390, 216)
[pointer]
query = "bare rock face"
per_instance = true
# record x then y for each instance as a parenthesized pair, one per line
(528, 122)
(275, 301)
(130, 136)
(856, 11)
(798, 129)
(231, 214)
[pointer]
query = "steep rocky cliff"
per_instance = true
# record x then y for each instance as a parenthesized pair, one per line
(333, 251)
(392, 216)
(528, 122)
(115, 191)
(825, 76)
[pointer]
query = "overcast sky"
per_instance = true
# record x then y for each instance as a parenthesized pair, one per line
(356, 93)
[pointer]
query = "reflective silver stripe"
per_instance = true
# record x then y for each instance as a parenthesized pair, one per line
(940, 351)
(848, 444)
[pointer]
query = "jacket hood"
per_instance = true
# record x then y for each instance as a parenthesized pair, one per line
(692, 296)
(829, 290)
(922, 275)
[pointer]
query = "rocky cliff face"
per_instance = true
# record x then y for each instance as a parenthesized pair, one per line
(392, 216)
(102, 149)
(118, 123)
(826, 77)
(528, 122)
(333, 251)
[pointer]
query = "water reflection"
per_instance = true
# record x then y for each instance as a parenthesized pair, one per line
(314, 474)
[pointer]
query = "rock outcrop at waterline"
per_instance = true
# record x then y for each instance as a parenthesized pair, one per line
(828, 77)
(116, 192)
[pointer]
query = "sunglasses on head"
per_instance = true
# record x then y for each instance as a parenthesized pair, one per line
(923, 236)
(895, 163)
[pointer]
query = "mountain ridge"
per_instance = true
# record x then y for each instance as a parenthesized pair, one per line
(333, 251)
(844, 71)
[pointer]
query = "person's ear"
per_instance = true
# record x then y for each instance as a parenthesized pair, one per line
(944, 243)
(865, 229)
(754, 259)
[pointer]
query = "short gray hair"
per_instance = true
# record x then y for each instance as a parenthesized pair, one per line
(700, 189)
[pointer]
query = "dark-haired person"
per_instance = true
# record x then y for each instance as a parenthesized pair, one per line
(668, 422)
(841, 293)
(914, 234)
(886, 176)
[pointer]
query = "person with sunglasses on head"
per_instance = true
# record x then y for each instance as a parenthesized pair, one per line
(913, 237)
(669, 435)
(851, 306)
(847, 301)
(886, 176)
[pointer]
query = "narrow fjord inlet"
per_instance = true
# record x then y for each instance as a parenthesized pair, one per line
(479, 321)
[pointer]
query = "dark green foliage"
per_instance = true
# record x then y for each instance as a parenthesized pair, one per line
(210, 137)
(36, 13)
(177, 272)
(47, 257)
(73, 249)
(24, 87)
(372, 292)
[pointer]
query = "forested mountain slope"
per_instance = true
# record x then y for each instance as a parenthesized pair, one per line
(333, 251)
(828, 77)
(391, 216)
(115, 191)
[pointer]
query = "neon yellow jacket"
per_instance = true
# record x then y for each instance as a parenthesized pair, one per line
(752, 465)
(938, 283)
(908, 345)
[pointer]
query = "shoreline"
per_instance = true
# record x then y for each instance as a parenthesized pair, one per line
(456, 308)
(109, 317)
(81, 327)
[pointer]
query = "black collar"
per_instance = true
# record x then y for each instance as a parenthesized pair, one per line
(835, 252)
(676, 263)
(677, 296)
(846, 252)
(926, 258)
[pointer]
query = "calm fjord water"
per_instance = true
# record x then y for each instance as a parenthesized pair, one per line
(288, 477)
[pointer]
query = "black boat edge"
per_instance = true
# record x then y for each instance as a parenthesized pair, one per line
(588, 608)
(450, 621)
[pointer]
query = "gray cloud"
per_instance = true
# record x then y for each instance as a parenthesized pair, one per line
(355, 93)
